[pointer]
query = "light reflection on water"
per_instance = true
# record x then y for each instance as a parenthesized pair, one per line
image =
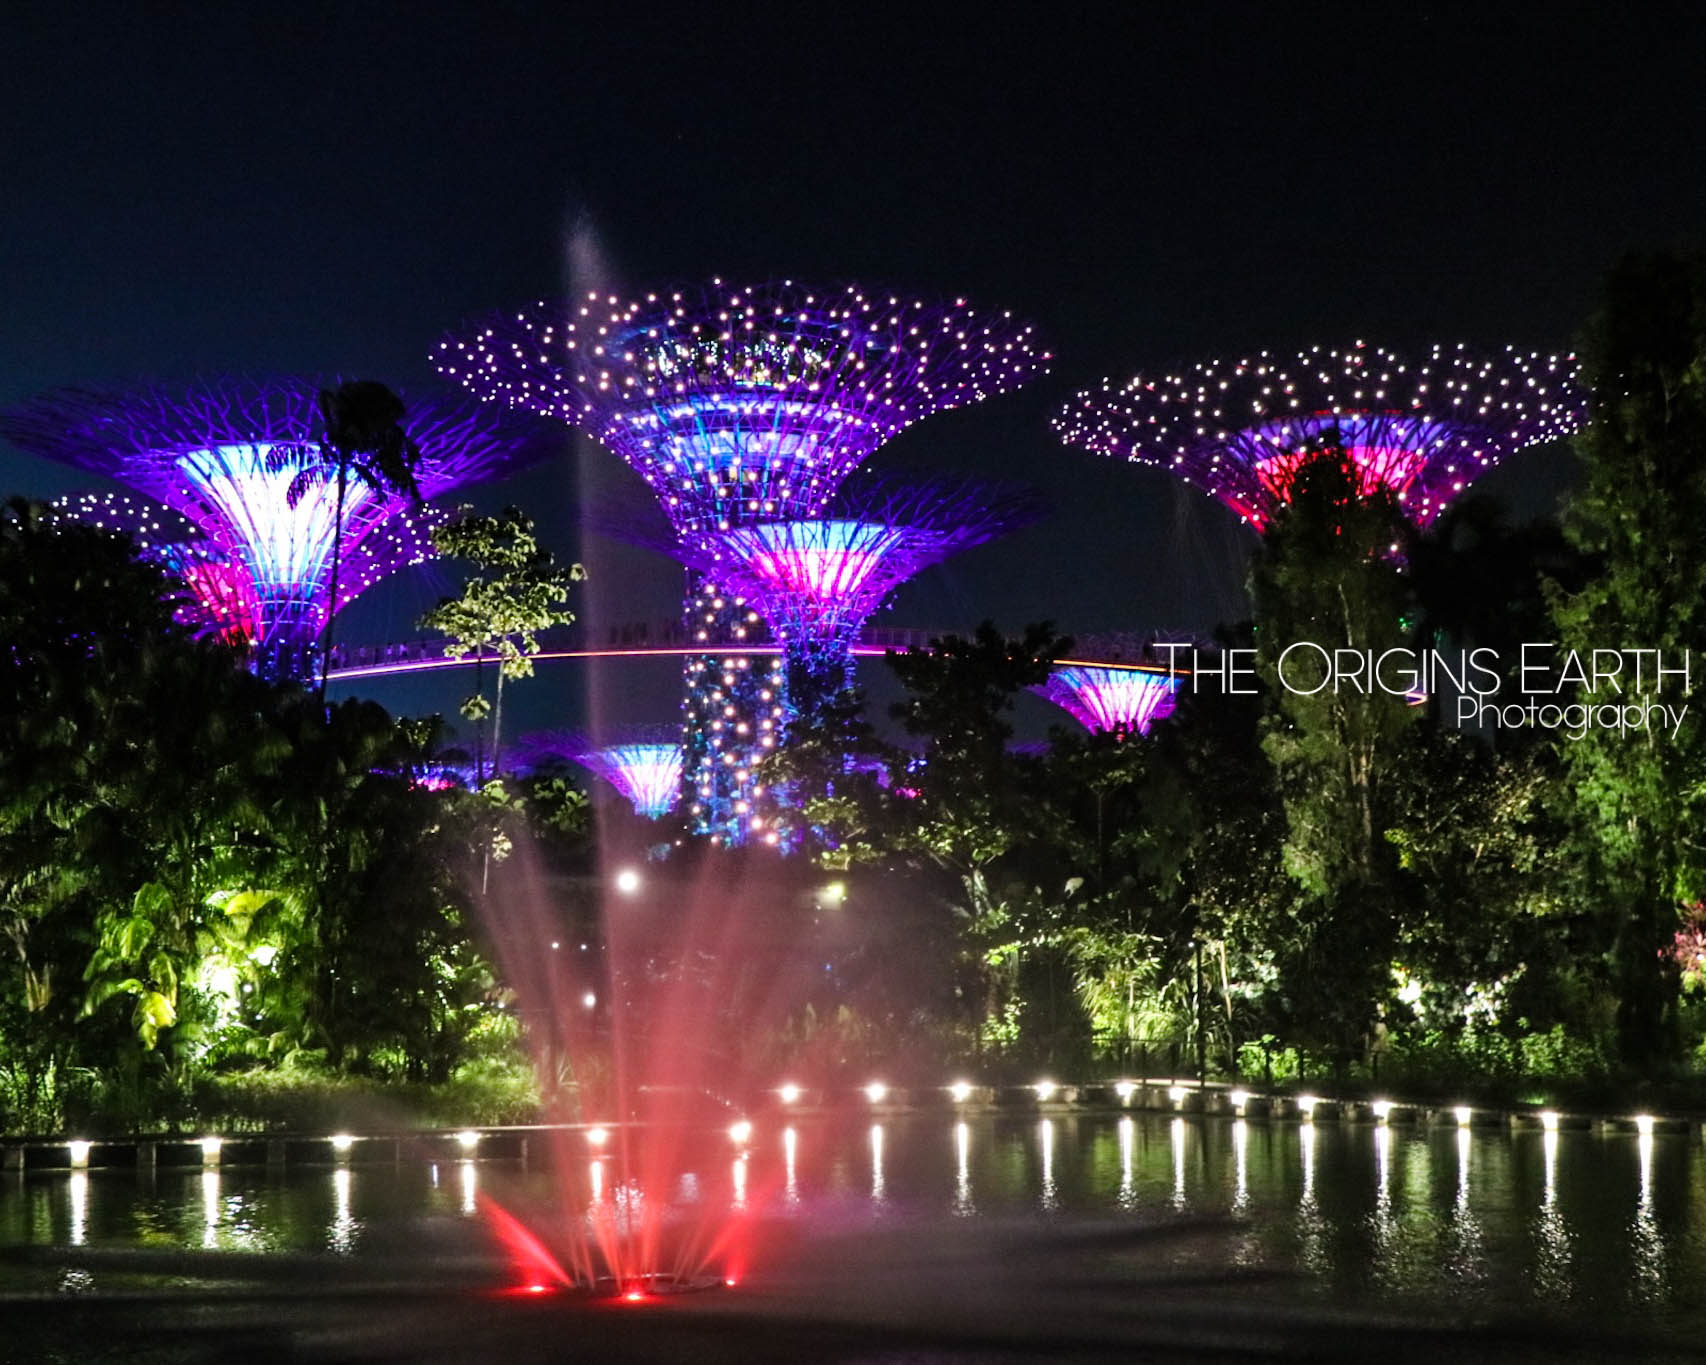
(963, 1205)
(1602, 1223)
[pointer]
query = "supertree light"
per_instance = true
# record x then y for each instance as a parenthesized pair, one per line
(642, 762)
(223, 454)
(1424, 428)
(1112, 700)
(740, 405)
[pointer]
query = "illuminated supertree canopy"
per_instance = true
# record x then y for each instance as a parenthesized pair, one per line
(746, 403)
(226, 597)
(817, 580)
(643, 763)
(1109, 700)
(224, 454)
(1423, 427)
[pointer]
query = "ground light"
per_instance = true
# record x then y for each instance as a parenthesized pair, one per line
(597, 1137)
(1382, 1110)
(1306, 1105)
(1464, 1114)
(1239, 1099)
(1644, 1124)
(342, 1142)
(1549, 1120)
(210, 1148)
(960, 1091)
(876, 1092)
(467, 1140)
(1125, 1090)
(1045, 1090)
(1176, 1094)
(79, 1152)
(789, 1093)
(627, 881)
(741, 1132)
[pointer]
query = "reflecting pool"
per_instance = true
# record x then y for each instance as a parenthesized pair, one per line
(1603, 1229)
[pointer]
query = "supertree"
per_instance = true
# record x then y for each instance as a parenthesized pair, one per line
(641, 762)
(1422, 427)
(225, 454)
(1108, 700)
(739, 405)
(816, 581)
(224, 598)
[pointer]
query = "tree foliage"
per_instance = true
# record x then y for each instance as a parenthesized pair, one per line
(515, 591)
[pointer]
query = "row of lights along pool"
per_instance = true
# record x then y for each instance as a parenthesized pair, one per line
(960, 1092)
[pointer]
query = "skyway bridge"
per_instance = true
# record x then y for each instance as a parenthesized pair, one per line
(669, 639)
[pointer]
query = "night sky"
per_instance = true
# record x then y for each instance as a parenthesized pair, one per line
(329, 188)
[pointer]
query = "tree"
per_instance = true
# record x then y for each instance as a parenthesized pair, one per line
(516, 590)
(1641, 796)
(1326, 578)
(363, 437)
(122, 810)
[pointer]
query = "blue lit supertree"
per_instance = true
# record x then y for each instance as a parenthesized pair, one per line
(740, 405)
(641, 762)
(224, 455)
(1423, 427)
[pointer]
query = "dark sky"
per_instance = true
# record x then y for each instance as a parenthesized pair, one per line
(327, 188)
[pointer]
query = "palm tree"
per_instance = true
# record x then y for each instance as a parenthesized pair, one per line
(363, 437)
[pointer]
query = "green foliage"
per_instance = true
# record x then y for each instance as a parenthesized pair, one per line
(1640, 799)
(516, 590)
(1325, 580)
(1266, 1060)
(249, 880)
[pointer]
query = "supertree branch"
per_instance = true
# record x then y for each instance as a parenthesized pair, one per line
(1423, 427)
(231, 456)
(744, 403)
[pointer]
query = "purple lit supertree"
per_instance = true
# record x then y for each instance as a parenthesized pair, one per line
(225, 599)
(740, 405)
(641, 762)
(1112, 700)
(817, 580)
(224, 455)
(1424, 427)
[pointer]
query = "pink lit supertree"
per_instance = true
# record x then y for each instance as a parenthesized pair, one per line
(229, 457)
(1424, 427)
(1124, 700)
(737, 405)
